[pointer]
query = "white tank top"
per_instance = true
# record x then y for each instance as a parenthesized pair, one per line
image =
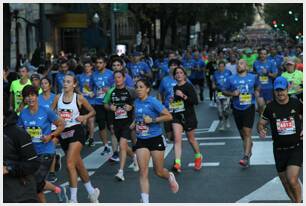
(68, 111)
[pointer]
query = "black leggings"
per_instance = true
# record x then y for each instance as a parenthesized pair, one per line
(212, 93)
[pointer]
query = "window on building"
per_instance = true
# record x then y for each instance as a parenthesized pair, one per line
(71, 40)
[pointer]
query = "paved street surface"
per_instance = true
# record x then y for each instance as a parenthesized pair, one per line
(220, 180)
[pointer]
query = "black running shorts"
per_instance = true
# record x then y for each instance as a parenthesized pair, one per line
(285, 158)
(244, 118)
(72, 134)
(43, 170)
(152, 144)
(122, 131)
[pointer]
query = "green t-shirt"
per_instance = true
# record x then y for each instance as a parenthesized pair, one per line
(16, 88)
(295, 79)
(250, 60)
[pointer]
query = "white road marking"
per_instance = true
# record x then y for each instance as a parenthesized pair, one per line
(167, 151)
(95, 159)
(213, 126)
(212, 143)
(272, 190)
(262, 153)
(206, 164)
(224, 138)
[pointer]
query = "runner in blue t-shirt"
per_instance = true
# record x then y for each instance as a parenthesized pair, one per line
(102, 84)
(166, 94)
(37, 120)
(198, 73)
(223, 103)
(138, 68)
(86, 86)
(266, 72)
(59, 78)
(188, 64)
(149, 112)
(241, 87)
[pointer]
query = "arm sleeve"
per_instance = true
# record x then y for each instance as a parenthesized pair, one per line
(29, 162)
(107, 96)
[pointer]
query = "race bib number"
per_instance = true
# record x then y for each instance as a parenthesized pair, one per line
(142, 129)
(286, 126)
(86, 90)
(264, 79)
(101, 93)
(66, 114)
(35, 133)
(245, 99)
(68, 134)
(220, 95)
(188, 71)
(177, 106)
(120, 113)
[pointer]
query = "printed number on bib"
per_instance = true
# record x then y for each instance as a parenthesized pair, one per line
(100, 93)
(177, 106)
(120, 113)
(35, 133)
(142, 129)
(245, 99)
(220, 95)
(264, 79)
(286, 126)
(66, 114)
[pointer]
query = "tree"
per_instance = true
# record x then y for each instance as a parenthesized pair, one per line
(288, 17)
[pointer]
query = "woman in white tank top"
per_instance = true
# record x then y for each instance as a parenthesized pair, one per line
(67, 106)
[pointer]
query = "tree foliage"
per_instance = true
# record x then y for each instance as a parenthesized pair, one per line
(280, 14)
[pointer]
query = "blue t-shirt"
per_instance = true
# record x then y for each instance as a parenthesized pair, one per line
(245, 85)
(46, 102)
(59, 78)
(220, 78)
(264, 80)
(129, 82)
(149, 107)
(198, 63)
(138, 69)
(102, 84)
(37, 125)
(86, 86)
(277, 59)
(166, 89)
(188, 65)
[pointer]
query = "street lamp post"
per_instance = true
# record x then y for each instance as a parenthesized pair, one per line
(113, 37)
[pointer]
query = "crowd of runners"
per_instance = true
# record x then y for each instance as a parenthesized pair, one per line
(140, 102)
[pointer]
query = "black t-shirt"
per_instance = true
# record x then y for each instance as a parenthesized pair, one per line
(285, 122)
(120, 97)
(185, 107)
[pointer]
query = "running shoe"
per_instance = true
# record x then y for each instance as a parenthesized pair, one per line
(106, 151)
(119, 176)
(62, 196)
(51, 177)
(211, 104)
(94, 196)
(58, 163)
(221, 128)
(115, 157)
(177, 168)
(245, 161)
(91, 142)
(72, 201)
(135, 164)
(173, 184)
(198, 163)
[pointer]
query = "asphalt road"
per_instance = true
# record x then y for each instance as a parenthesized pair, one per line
(221, 179)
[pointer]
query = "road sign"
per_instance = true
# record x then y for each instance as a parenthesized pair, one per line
(119, 7)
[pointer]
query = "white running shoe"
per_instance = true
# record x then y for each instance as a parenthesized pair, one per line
(94, 196)
(119, 176)
(135, 164)
(72, 201)
(221, 128)
(211, 103)
(173, 184)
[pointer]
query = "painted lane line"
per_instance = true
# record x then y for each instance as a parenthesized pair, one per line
(213, 126)
(167, 151)
(224, 138)
(271, 191)
(262, 153)
(65, 184)
(206, 164)
(212, 144)
(95, 159)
